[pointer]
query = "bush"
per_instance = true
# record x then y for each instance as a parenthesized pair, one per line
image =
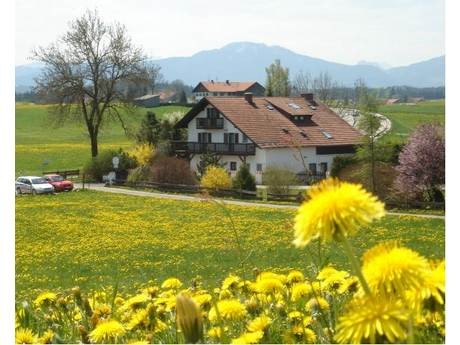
(206, 160)
(102, 164)
(172, 170)
(139, 174)
(244, 179)
(143, 154)
(278, 180)
(216, 178)
(340, 162)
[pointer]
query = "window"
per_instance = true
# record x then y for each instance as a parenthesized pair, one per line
(212, 113)
(259, 167)
(230, 138)
(312, 168)
(245, 139)
(323, 167)
(204, 137)
(232, 166)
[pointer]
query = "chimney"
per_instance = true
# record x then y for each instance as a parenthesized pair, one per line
(248, 97)
(307, 96)
(227, 81)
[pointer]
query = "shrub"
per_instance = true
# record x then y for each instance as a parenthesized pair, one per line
(340, 162)
(102, 164)
(206, 160)
(278, 180)
(172, 170)
(244, 179)
(143, 154)
(139, 174)
(216, 178)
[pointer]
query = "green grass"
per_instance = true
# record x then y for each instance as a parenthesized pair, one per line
(67, 147)
(404, 118)
(94, 239)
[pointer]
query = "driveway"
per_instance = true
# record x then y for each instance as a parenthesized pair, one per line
(102, 188)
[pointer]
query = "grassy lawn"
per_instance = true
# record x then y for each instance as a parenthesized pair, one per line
(404, 118)
(66, 147)
(95, 239)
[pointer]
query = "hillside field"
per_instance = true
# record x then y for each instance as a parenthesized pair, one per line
(404, 118)
(95, 239)
(40, 146)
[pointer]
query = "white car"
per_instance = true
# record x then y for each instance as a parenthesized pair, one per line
(33, 185)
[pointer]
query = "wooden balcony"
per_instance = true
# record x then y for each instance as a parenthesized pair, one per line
(205, 123)
(217, 148)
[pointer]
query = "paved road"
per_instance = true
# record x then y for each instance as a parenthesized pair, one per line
(102, 188)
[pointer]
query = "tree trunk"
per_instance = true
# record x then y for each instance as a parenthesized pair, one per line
(94, 150)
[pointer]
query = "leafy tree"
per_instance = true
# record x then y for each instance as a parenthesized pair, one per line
(207, 159)
(421, 168)
(369, 123)
(157, 133)
(216, 178)
(277, 83)
(244, 179)
(84, 71)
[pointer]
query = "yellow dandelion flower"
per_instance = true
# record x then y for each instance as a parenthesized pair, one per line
(300, 291)
(230, 282)
(215, 332)
(160, 326)
(230, 309)
(310, 336)
(135, 302)
(295, 277)
(316, 303)
(107, 332)
(25, 336)
(203, 299)
(249, 338)
(171, 283)
(389, 268)
(349, 285)
(295, 315)
(270, 275)
(139, 318)
(47, 337)
(269, 285)
(260, 323)
(45, 298)
(371, 319)
(335, 208)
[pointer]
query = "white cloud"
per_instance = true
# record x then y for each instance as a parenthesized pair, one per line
(394, 32)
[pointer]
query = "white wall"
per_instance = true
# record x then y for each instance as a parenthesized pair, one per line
(217, 134)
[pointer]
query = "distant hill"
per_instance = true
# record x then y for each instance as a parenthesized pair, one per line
(247, 61)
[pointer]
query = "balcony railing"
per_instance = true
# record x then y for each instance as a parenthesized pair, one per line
(218, 148)
(205, 123)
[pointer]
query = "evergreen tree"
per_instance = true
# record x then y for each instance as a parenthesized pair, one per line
(244, 180)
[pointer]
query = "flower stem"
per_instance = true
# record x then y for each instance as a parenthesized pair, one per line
(354, 262)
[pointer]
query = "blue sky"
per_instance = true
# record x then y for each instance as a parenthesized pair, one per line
(389, 32)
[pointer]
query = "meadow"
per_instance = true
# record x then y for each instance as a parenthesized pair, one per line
(41, 146)
(404, 118)
(95, 239)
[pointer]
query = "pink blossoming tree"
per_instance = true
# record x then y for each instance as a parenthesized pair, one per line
(421, 169)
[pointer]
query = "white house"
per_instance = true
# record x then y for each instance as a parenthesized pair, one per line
(296, 133)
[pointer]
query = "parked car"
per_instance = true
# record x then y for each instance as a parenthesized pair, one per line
(33, 185)
(59, 183)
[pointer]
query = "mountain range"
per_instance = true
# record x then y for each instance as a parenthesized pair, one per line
(246, 61)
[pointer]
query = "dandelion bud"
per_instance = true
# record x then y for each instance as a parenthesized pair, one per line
(83, 334)
(188, 317)
(76, 292)
(149, 337)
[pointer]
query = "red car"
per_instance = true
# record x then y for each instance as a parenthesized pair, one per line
(59, 183)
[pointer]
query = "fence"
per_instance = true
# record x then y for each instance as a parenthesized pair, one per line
(64, 173)
(196, 189)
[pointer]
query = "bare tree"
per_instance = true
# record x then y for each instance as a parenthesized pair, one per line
(302, 82)
(322, 86)
(155, 77)
(84, 73)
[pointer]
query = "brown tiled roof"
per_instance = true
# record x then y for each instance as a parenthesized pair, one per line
(230, 86)
(267, 121)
